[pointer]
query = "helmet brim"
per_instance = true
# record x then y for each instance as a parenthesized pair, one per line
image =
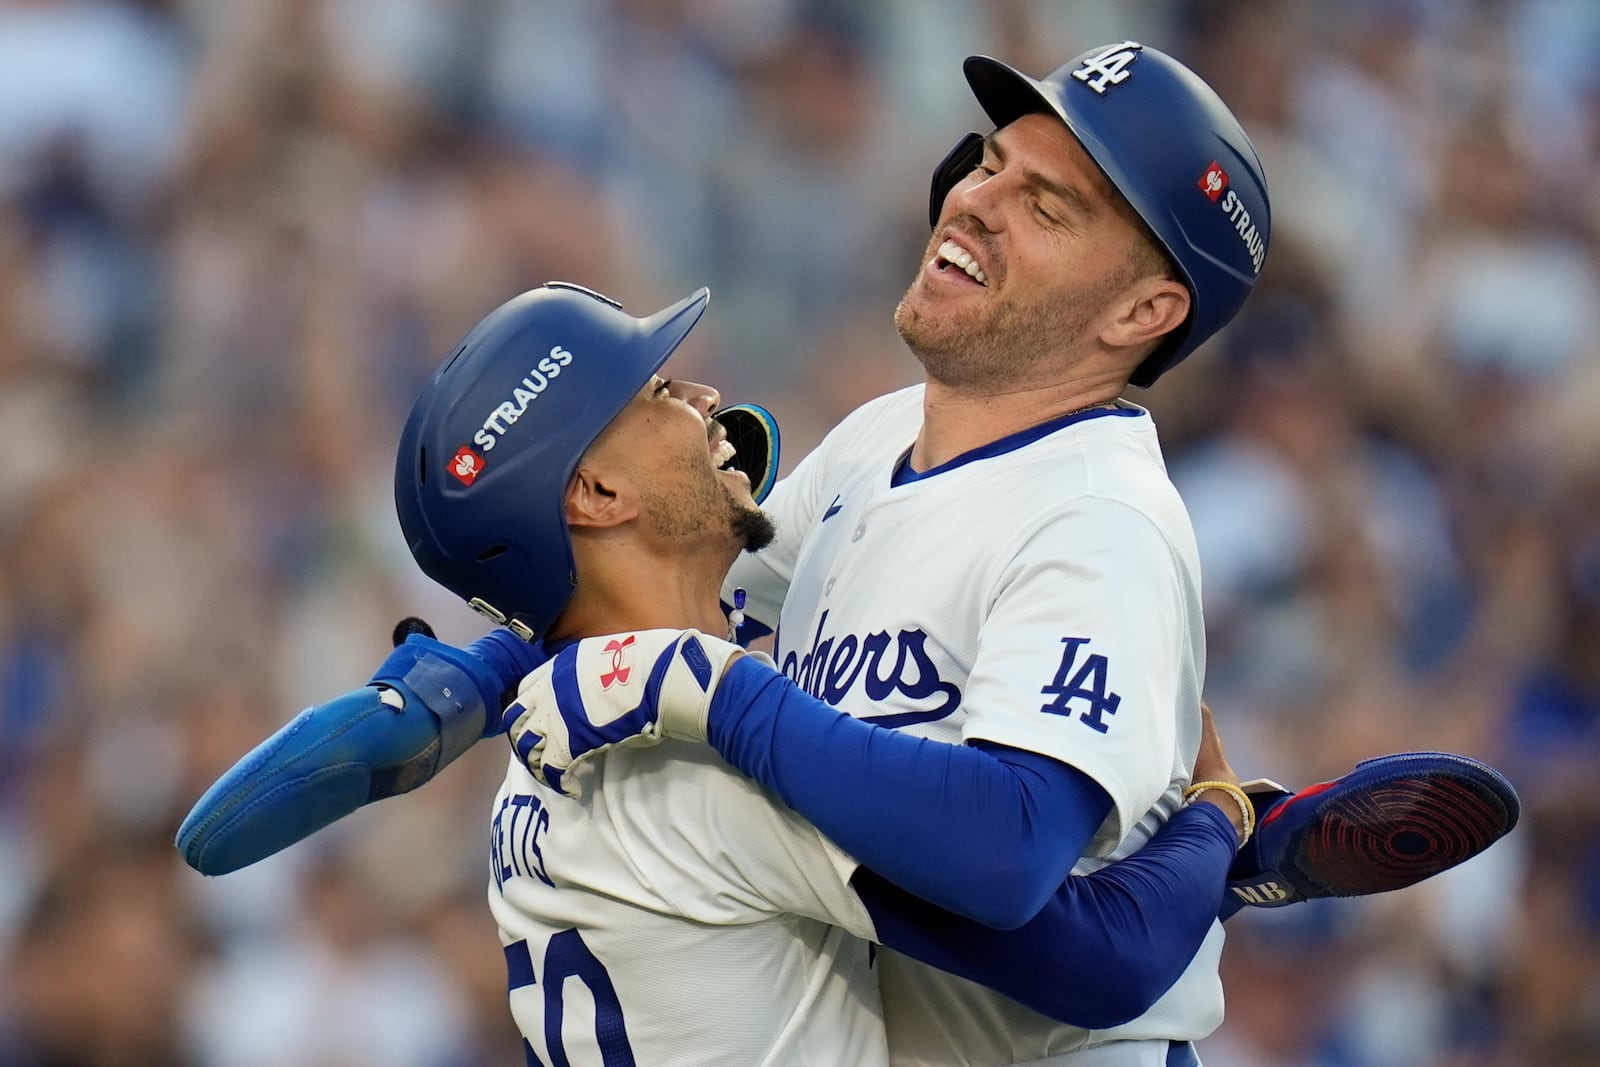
(1005, 93)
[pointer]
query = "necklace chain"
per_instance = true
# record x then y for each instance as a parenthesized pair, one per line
(1089, 407)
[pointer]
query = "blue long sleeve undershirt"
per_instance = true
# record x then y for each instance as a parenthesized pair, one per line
(982, 830)
(1103, 948)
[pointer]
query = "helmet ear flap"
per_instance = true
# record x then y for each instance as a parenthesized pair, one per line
(955, 166)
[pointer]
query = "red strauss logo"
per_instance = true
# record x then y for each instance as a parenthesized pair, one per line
(466, 465)
(618, 672)
(1213, 181)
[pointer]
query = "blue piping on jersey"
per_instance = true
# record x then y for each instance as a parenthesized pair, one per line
(904, 472)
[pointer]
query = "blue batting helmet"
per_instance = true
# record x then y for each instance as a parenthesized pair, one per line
(496, 434)
(1170, 146)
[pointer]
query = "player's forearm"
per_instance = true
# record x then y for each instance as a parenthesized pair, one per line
(1103, 949)
(986, 834)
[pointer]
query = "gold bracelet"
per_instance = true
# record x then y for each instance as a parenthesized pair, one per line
(1240, 797)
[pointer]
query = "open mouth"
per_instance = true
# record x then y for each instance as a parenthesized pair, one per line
(952, 257)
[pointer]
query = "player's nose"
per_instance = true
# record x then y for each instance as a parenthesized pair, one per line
(702, 398)
(979, 202)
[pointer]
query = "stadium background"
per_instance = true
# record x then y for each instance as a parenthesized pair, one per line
(234, 237)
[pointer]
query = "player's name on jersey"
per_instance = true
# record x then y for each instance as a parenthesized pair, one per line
(517, 834)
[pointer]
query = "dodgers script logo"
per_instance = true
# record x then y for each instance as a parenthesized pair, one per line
(833, 666)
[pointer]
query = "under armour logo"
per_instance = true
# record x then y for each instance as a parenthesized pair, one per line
(1109, 66)
(618, 672)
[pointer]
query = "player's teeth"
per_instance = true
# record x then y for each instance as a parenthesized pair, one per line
(723, 452)
(954, 254)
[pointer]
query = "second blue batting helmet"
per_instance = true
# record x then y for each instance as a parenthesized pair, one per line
(496, 434)
(1174, 151)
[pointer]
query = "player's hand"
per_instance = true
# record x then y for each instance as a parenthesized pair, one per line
(623, 689)
(1211, 765)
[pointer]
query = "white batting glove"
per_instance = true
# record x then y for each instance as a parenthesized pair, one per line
(622, 689)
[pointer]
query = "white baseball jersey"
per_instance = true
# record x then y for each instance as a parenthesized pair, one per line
(1042, 593)
(677, 914)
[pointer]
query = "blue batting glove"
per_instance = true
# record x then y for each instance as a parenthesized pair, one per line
(1392, 822)
(426, 705)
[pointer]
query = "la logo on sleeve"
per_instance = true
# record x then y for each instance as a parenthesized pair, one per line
(1084, 681)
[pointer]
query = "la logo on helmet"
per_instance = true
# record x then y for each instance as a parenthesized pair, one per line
(1109, 66)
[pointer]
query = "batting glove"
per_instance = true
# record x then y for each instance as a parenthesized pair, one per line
(1391, 822)
(623, 689)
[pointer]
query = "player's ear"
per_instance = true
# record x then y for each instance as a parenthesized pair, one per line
(597, 499)
(1149, 309)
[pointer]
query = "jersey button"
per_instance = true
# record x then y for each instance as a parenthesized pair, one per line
(859, 530)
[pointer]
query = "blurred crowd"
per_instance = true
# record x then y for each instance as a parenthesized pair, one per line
(235, 237)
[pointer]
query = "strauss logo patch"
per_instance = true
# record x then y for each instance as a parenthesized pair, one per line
(1213, 181)
(466, 465)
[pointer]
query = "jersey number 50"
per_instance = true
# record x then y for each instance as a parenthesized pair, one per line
(566, 956)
